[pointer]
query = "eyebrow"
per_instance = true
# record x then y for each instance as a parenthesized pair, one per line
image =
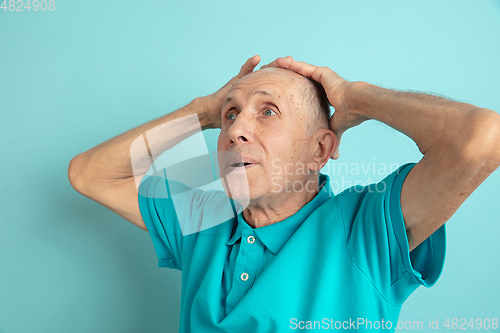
(259, 92)
(262, 92)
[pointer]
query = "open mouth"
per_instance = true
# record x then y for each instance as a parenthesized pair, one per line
(240, 166)
(237, 165)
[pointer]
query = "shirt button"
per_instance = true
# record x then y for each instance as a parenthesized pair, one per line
(251, 239)
(244, 276)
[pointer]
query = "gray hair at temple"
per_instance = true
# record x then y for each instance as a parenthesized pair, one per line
(315, 99)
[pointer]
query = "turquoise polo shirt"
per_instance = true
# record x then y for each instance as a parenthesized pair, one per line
(340, 262)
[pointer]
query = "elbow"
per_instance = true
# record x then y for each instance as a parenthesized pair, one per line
(74, 173)
(482, 147)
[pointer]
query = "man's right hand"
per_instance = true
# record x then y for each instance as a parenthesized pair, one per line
(214, 101)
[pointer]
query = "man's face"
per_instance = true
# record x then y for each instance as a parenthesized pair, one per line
(263, 119)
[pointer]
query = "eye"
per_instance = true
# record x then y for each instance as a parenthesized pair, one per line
(231, 116)
(269, 112)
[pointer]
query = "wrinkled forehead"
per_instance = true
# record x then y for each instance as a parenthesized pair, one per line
(282, 79)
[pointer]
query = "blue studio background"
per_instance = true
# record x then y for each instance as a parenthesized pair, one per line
(89, 70)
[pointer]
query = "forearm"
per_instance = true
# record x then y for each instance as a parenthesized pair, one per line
(132, 152)
(432, 122)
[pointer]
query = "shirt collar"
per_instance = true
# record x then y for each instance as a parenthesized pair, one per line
(275, 236)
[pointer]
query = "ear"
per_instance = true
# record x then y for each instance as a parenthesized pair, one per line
(323, 142)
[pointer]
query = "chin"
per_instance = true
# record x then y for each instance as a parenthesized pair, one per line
(237, 187)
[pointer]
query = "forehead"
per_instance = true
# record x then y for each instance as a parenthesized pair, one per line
(268, 81)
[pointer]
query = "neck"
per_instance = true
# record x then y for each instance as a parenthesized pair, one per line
(266, 211)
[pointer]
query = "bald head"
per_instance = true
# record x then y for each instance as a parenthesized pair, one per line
(277, 120)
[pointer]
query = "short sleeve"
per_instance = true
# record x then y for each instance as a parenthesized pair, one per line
(377, 241)
(159, 215)
(175, 216)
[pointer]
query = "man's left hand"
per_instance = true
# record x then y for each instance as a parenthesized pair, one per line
(335, 88)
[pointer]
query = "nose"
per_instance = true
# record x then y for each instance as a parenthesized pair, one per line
(241, 131)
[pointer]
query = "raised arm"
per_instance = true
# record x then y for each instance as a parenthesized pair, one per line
(110, 172)
(460, 142)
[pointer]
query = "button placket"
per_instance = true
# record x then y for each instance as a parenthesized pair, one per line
(245, 269)
(250, 252)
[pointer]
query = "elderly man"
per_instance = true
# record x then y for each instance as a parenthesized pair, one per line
(299, 256)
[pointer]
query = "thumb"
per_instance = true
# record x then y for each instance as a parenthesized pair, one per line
(248, 66)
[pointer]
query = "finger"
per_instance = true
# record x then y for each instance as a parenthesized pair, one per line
(248, 66)
(271, 64)
(274, 63)
(314, 72)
